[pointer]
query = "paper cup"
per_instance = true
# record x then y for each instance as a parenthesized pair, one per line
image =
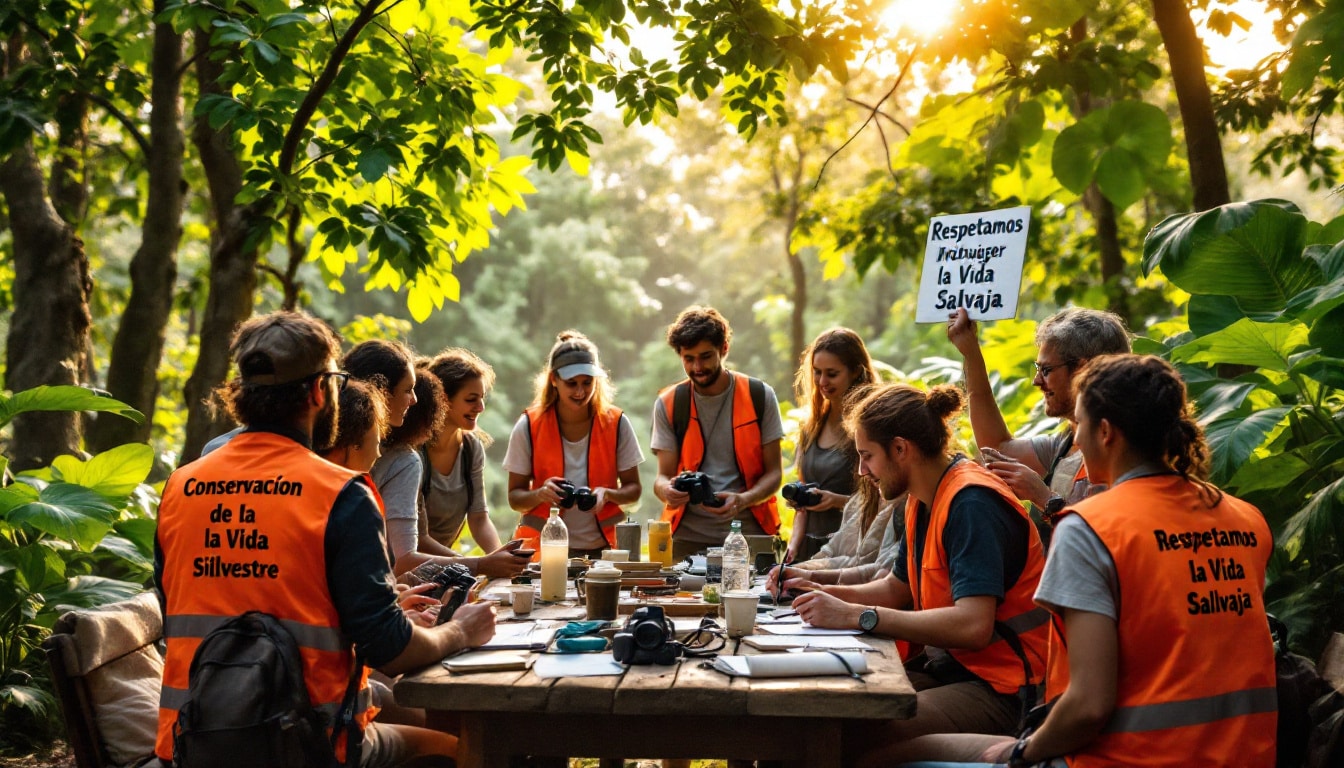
(616, 555)
(523, 598)
(739, 611)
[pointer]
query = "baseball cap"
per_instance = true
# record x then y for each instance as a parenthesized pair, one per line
(281, 348)
(576, 362)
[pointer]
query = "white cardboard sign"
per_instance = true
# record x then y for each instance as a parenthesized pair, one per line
(973, 260)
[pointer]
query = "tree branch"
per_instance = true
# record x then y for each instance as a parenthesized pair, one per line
(905, 69)
(879, 113)
(308, 107)
(126, 122)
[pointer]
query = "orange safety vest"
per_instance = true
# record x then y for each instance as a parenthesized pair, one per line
(548, 460)
(746, 447)
(997, 664)
(243, 529)
(1196, 678)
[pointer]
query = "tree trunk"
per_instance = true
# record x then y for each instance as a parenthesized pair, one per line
(49, 327)
(1108, 246)
(132, 375)
(233, 275)
(1203, 145)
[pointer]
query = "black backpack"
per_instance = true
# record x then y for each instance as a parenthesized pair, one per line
(248, 705)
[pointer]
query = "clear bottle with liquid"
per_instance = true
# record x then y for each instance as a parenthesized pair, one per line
(736, 560)
(554, 558)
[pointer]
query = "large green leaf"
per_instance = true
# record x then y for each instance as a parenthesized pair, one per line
(1209, 314)
(87, 592)
(1141, 130)
(140, 532)
(1119, 178)
(1073, 159)
(68, 512)
(114, 473)
(1327, 332)
(1251, 251)
(1247, 342)
(1233, 439)
(127, 551)
(1272, 473)
(63, 398)
(1316, 521)
(36, 566)
(1221, 398)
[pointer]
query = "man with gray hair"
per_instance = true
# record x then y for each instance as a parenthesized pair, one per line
(1046, 470)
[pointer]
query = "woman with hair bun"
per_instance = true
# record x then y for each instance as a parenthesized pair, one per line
(962, 581)
(1181, 670)
(574, 434)
(453, 489)
(832, 367)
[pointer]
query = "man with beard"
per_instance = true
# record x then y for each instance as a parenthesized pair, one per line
(962, 582)
(723, 424)
(264, 524)
(1046, 470)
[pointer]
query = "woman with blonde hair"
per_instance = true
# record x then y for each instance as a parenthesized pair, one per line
(834, 365)
(573, 435)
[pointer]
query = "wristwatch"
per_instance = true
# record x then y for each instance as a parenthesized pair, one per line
(1016, 758)
(868, 619)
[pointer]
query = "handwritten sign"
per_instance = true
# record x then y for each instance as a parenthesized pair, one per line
(973, 260)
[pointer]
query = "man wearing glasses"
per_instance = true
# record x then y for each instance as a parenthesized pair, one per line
(264, 524)
(1046, 470)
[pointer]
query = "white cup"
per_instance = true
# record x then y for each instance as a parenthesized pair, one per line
(616, 555)
(523, 598)
(739, 610)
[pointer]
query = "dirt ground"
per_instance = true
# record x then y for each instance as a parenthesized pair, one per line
(60, 756)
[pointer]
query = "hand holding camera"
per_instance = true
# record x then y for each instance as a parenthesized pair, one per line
(802, 495)
(571, 496)
(696, 485)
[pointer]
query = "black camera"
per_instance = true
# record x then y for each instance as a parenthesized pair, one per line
(646, 638)
(697, 485)
(445, 577)
(581, 497)
(802, 494)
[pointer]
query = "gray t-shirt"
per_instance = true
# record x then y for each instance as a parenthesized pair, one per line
(1047, 447)
(397, 476)
(720, 462)
(1079, 574)
(446, 502)
(584, 532)
(832, 469)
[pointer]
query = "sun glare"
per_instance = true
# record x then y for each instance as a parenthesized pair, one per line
(919, 18)
(1243, 48)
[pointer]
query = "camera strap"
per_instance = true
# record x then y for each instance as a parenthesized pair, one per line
(706, 640)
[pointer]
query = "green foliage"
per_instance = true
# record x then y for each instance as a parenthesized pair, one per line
(1266, 283)
(75, 535)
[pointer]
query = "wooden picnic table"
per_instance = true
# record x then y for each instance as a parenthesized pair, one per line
(678, 711)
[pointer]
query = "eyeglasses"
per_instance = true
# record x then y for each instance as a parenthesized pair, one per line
(342, 378)
(1045, 370)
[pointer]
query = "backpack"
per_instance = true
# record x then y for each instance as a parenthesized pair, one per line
(248, 704)
(681, 406)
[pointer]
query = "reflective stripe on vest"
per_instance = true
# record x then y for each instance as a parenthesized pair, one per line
(997, 663)
(1195, 683)
(548, 460)
(241, 529)
(747, 449)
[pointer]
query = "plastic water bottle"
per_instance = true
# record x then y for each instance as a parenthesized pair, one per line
(554, 558)
(736, 571)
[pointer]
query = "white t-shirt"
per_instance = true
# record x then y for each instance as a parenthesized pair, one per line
(584, 532)
(720, 462)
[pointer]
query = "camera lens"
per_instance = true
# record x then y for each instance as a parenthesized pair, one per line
(648, 635)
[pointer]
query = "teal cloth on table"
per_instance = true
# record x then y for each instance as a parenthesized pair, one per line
(580, 628)
(581, 637)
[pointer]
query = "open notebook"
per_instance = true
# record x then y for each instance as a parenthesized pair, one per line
(806, 664)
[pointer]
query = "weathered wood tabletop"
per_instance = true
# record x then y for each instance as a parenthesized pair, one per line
(678, 711)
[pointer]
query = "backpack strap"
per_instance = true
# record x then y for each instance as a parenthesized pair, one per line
(757, 389)
(345, 715)
(1063, 451)
(426, 479)
(468, 446)
(681, 411)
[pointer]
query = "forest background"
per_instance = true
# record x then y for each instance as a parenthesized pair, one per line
(486, 175)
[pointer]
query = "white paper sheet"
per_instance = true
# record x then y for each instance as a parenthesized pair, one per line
(517, 633)
(805, 629)
(804, 642)
(791, 664)
(553, 665)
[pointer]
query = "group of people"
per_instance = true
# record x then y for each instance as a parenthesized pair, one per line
(942, 552)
